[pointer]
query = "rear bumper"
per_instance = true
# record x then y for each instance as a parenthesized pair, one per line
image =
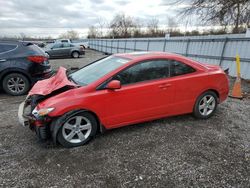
(42, 76)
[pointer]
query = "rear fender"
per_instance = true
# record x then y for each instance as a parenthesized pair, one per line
(14, 70)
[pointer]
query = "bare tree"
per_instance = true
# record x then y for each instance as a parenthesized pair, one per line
(172, 24)
(121, 26)
(223, 12)
(153, 26)
(153, 29)
(102, 25)
(22, 35)
(70, 35)
(93, 33)
(136, 31)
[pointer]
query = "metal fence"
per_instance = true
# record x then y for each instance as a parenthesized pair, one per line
(213, 50)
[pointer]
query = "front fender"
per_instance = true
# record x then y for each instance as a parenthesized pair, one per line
(57, 122)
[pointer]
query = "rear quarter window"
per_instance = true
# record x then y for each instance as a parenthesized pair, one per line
(7, 47)
(178, 68)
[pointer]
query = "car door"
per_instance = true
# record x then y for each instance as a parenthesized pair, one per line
(56, 50)
(145, 94)
(66, 49)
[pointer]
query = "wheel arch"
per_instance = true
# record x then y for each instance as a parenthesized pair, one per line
(209, 89)
(16, 70)
(56, 124)
(216, 92)
(73, 52)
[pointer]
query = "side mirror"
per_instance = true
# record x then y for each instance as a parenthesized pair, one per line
(114, 84)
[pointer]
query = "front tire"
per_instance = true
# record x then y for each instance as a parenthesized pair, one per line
(77, 129)
(16, 84)
(205, 105)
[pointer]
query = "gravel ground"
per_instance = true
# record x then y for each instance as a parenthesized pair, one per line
(172, 152)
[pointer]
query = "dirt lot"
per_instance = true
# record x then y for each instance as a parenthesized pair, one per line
(172, 152)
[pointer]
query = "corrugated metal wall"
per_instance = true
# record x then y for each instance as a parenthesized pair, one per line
(208, 49)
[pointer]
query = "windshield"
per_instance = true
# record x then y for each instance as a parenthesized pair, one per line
(96, 70)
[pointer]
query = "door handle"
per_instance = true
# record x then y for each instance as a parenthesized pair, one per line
(2, 60)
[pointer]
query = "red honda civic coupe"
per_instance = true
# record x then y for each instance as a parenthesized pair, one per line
(120, 90)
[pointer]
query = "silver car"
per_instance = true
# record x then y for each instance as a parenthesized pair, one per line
(64, 50)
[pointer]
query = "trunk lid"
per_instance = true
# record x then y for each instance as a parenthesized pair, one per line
(212, 67)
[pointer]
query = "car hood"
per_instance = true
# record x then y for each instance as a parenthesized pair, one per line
(58, 81)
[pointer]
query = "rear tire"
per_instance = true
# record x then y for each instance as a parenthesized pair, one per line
(77, 129)
(75, 54)
(205, 105)
(16, 84)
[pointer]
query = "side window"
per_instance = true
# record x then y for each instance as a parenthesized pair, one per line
(178, 68)
(66, 45)
(57, 45)
(150, 70)
(6, 47)
(64, 41)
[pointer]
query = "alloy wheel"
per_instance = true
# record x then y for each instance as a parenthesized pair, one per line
(207, 105)
(76, 129)
(16, 84)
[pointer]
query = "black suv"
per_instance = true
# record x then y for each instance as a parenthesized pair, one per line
(21, 65)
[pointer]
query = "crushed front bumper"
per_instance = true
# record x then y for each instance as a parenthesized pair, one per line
(26, 119)
(22, 118)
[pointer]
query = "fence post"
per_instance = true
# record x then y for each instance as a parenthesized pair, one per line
(125, 46)
(101, 44)
(187, 47)
(135, 45)
(106, 45)
(164, 46)
(223, 50)
(148, 45)
(117, 49)
(112, 46)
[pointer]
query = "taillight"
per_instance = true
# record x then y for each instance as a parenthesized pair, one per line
(37, 59)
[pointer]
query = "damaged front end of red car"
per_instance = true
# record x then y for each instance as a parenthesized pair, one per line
(37, 119)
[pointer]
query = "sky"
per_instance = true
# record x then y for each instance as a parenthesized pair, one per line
(42, 18)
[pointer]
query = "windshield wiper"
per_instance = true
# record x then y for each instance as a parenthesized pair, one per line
(78, 83)
(71, 79)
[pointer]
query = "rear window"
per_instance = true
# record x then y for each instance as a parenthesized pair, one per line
(7, 47)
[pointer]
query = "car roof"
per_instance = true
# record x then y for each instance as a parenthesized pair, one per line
(25, 43)
(145, 55)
